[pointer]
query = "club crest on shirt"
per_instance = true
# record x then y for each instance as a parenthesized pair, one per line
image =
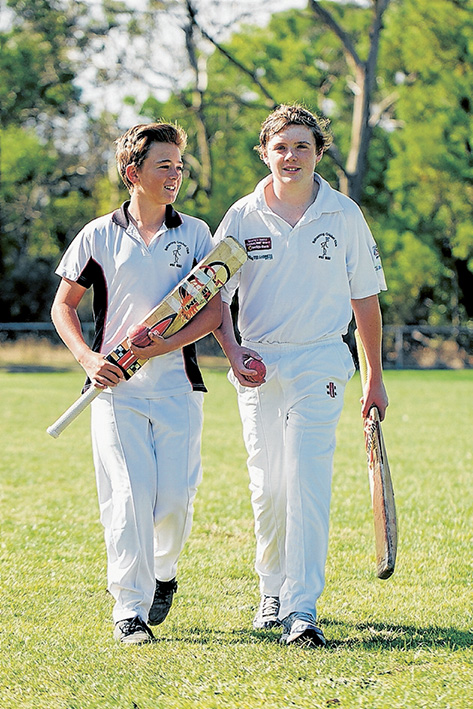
(257, 244)
(178, 250)
(326, 243)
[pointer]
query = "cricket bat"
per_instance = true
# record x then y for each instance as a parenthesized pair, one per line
(381, 486)
(185, 300)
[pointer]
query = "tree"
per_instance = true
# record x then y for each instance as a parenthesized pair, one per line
(418, 164)
(430, 173)
(155, 32)
(393, 76)
(36, 75)
(363, 86)
(44, 190)
(293, 59)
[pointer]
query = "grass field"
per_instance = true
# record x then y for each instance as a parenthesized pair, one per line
(402, 643)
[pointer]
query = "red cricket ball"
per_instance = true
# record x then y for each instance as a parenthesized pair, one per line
(138, 336)
(257, 365)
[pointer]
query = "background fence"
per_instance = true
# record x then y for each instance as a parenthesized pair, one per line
(404, 346)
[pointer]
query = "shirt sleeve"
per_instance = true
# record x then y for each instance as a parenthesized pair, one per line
(204, 242)
(365, 270)
(74, 263)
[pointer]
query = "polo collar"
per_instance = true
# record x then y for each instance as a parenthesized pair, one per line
(121, 217)
(326, 201)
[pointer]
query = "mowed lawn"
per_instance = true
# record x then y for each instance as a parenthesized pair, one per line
(406, 642)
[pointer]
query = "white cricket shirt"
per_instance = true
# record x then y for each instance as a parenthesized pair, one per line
(129, 279)
(298, 282)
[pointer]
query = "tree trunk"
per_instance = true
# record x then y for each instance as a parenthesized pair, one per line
(353, 173)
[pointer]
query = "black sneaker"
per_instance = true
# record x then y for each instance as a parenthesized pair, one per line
(162, 601)
(267, 615)
(133, 631)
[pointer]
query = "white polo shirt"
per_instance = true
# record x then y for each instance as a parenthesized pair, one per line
(298, 282)
(129, 279)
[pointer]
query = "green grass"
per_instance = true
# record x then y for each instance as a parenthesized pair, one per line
(405, 642)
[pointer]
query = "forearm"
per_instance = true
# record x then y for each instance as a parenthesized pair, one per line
(67, 323)
(225, 333)
(236, 354)
(369, 324)
(199, 326)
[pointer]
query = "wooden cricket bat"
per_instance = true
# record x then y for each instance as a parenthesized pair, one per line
(381, 487)
(185, 300)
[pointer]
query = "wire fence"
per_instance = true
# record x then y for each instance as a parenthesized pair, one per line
(404, 346)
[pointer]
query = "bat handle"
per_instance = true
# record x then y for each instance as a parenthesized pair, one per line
(73, 411)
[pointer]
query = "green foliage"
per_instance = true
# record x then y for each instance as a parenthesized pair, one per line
(403, 643)
(234, 106)
(431, 172)
(37, 181)
(418, 189)
(40, 210)
(35, 72)
(51, 178)
(413, 273)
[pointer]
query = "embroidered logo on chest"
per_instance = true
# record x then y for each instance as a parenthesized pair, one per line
(179, 249)
(326, 243)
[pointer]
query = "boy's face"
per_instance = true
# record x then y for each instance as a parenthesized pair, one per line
(159, 177)
(291, 154)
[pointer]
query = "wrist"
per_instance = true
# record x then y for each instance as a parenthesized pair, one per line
(82, 356)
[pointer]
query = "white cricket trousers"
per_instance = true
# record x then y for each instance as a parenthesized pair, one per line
(289, 426)
(148, 467)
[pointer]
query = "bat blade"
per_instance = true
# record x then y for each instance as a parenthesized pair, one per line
(381, 486)
(382, 496)
(185, 300)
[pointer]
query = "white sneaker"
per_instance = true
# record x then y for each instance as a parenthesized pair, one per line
(133, 631)
(267, 615)
(300, 628)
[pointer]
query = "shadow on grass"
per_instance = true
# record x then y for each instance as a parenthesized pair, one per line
(369, 636)
(374, 636)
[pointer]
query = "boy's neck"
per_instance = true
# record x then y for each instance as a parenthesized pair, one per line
(291, 202)
(148, 218)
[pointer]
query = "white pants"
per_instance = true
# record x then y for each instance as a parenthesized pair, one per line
(148, 467)
(289, 426)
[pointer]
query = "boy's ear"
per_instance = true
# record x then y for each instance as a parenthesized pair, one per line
(132, 174)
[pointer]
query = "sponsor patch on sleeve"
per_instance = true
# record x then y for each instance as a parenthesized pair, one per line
(377, 258)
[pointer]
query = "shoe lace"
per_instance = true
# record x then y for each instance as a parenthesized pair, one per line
(135, 624)
(270, 606)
